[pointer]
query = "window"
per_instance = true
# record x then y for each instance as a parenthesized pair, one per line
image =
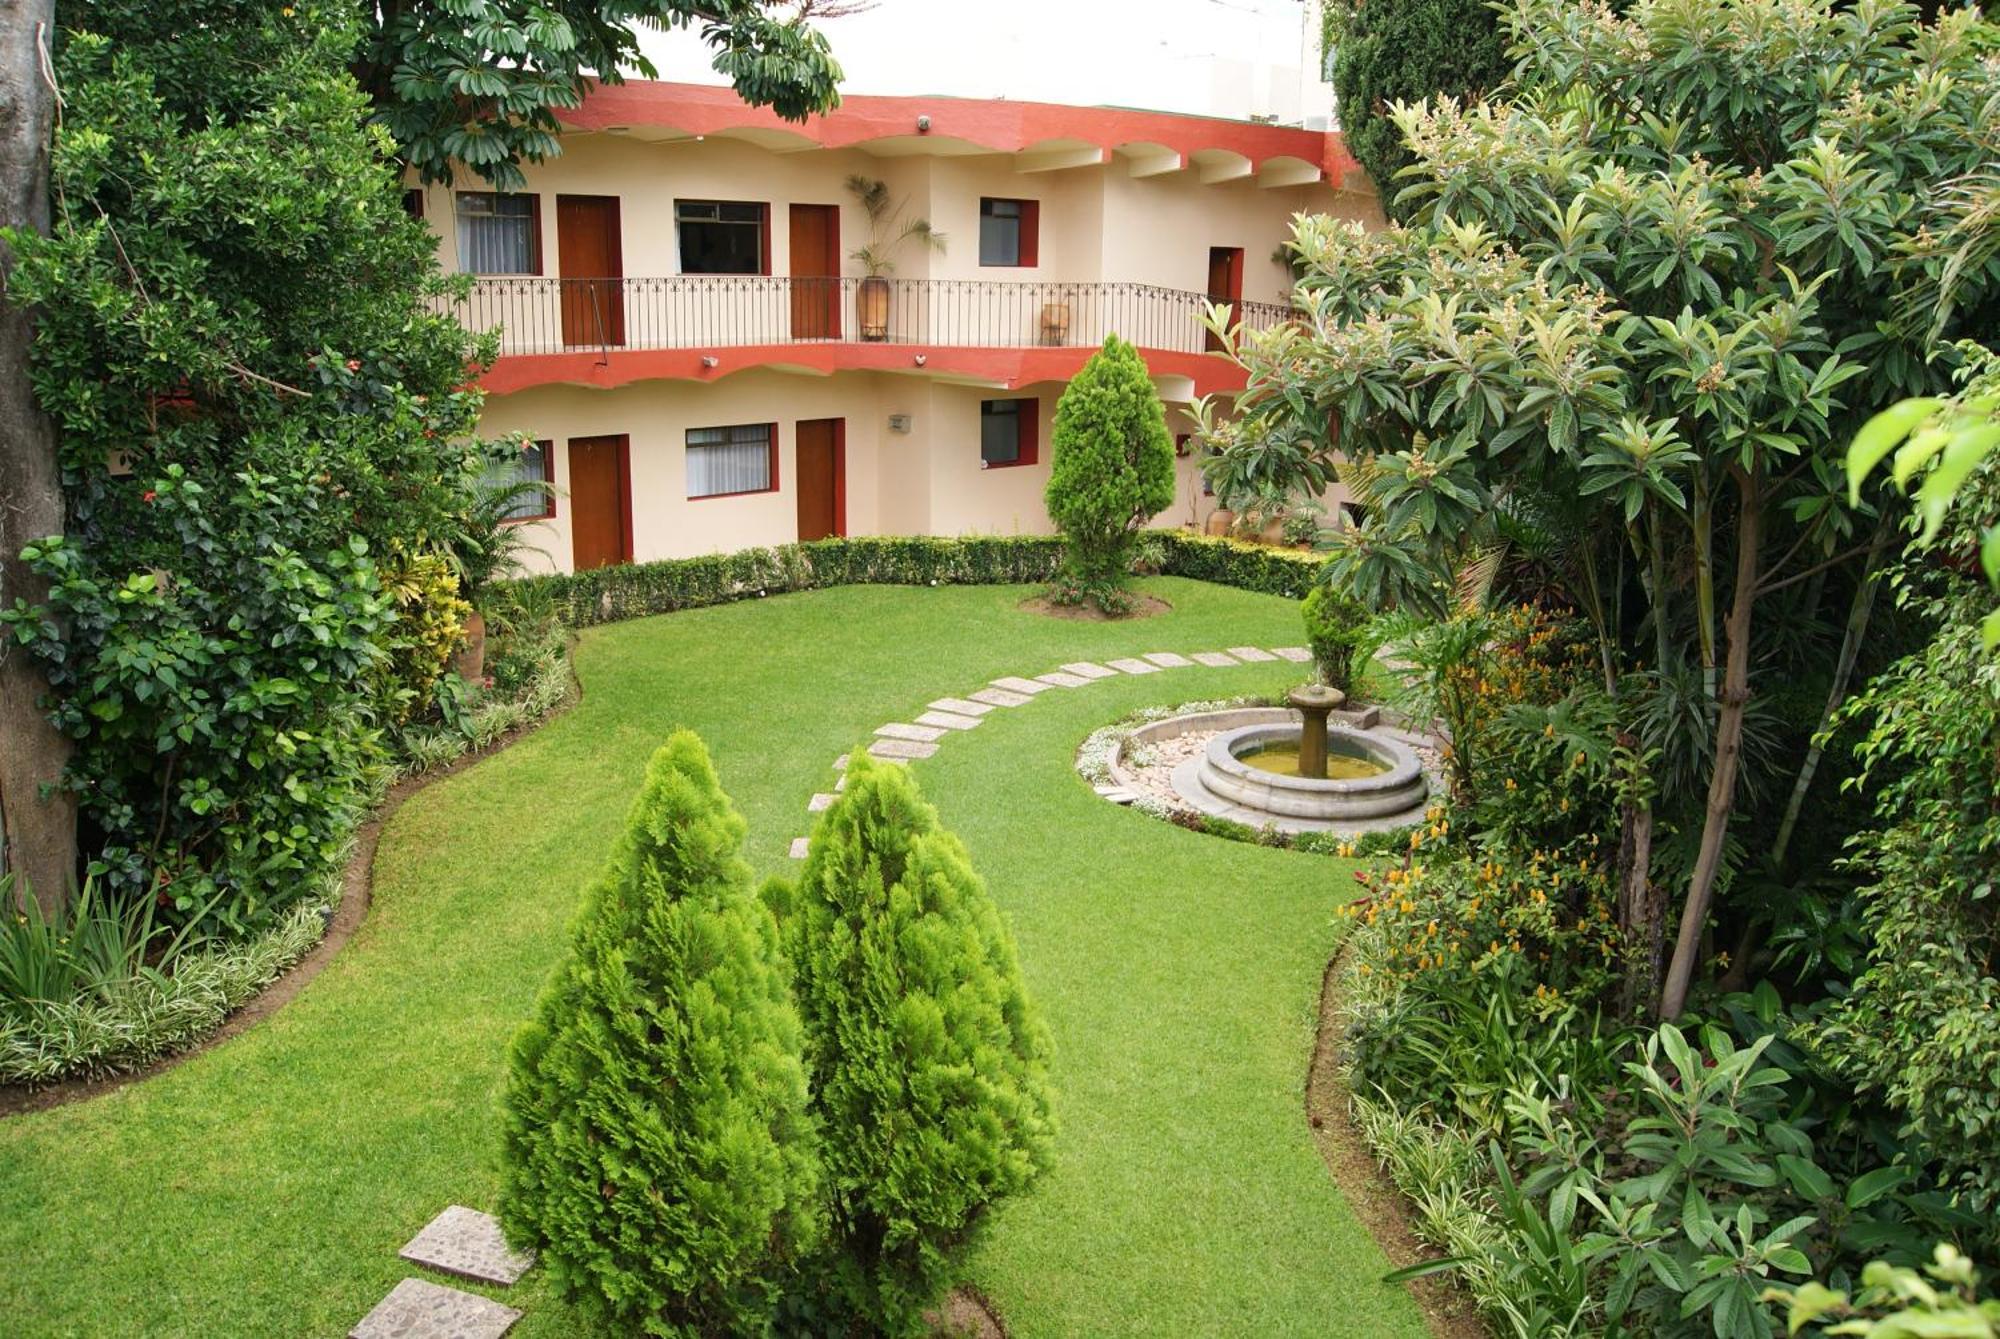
(499, 234)
(1007, 432)
(534, 463)
(723, 237)
(1008, 231)
(413, 203)
(725, 461)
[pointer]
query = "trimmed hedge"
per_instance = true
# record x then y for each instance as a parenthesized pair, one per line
(636, 590)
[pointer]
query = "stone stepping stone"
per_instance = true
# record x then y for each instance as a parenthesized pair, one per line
(1063, 680)
(1000, 697)
(800, 845)
(415, 1309)
(820, 802)
(1297, 654)
(1084, 669)
(1116, 794)
(958, 706)
(1251, 653)
(1168, 660)
(901, 750)
(1130, 666)
(1014, 683)
(1214, 659)
(948, 720)
(841, 784)
(920, 734)
(840, 763)
(470, 1244)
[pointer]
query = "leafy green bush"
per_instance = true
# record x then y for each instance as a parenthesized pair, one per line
(657, 1146)
(1335, 630)
(1405, 51)
(1896, 1302)
(1112, 469)
(927, 1057)
(236, 343)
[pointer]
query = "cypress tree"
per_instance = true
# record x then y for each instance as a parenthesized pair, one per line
(658, 1149)
(1112, 470)
(927, 1057)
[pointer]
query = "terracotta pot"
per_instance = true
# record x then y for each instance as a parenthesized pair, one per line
(871, 307)
(1219, 521)
(471, 660)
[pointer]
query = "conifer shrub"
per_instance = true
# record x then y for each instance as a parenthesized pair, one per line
(658, 1149)
(1334, 623)
(1112, 470)
(928, 1061)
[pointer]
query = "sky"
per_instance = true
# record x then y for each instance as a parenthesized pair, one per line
(1234, 58)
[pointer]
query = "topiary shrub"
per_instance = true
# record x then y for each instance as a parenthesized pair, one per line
(925, 1053)
(1111, 471)
(658, 1149)
(1333, 631)
(1388, 51)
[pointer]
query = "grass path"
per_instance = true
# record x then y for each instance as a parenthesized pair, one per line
(263, 1189)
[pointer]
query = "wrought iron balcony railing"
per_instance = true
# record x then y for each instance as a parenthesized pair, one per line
(538, 315)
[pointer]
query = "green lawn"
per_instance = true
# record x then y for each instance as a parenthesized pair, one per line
(264, 1188)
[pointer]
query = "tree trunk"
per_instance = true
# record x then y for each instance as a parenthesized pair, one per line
(37, 815)
(1858, 612)
(1641, 908)
(1703, 516)
(1733, 696)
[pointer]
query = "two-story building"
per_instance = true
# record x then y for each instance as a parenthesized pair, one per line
(705, 362)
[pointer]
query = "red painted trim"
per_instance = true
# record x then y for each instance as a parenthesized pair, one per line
(625, 494)
(840, 477)
(771, 445)
(999, 126)
(1002, 367)
(764, 239)
(535, 228)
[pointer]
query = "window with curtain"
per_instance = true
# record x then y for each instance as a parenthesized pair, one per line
(737, 459)
(530, 465)
(721, 236)
(1006, 432)
(496, 234)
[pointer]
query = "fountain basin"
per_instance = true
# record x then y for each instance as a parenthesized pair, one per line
(1398, 787)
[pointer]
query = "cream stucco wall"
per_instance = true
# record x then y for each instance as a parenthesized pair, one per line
(927, 480)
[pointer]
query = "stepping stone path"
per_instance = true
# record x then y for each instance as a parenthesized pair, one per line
(1063, 680)
(1130, 666)
(958, 706)
(947, 720)
(921, 734)
(901, 750)
(415, 1309)
(1084, 669)
(799, 847)
(1001, 697)
(1014, 683)
(1168, 660)
(1214, 659)
(822, 801)
(1297, 654)
(458, 1241)
(1250, 653)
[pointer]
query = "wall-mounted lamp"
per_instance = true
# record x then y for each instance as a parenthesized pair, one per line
(710, 360)
(923, 125)
(922, 359)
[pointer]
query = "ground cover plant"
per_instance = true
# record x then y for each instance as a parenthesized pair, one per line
(273, 1178)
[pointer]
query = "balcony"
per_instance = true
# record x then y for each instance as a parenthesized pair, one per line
(540, 316)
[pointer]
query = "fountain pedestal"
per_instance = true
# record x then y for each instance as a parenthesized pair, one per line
(1315, 702)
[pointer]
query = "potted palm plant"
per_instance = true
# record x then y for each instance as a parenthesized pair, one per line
(888, 231)
(488, 548)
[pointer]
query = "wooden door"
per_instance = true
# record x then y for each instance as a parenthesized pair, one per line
(600, 501)
(1225, 281)
(591, 260)
(817, 473)
(815, 272)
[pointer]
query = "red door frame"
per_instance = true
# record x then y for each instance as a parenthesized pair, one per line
(624, 466)
(839, 467)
